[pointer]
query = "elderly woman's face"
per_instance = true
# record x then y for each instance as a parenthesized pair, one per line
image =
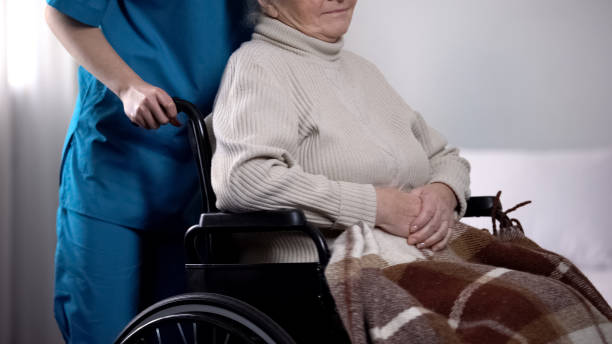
(326, 20)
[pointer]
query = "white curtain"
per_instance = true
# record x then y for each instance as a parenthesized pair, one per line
(5, 176)
(37, 92)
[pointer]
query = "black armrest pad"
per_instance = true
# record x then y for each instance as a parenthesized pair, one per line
(258, 219)
(480, 206)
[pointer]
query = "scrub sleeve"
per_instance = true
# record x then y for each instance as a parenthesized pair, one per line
(127, 194)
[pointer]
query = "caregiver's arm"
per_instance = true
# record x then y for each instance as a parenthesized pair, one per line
(144, 104)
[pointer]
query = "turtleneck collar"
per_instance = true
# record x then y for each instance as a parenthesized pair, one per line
(287, 37)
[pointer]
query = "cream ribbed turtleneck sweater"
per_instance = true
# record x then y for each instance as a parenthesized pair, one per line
(302, 123)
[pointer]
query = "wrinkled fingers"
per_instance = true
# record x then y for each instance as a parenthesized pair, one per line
(437, 237)
(427, 214)
(442, 244)
(421, 235)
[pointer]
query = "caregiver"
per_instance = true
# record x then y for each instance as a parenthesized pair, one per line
(128, 185)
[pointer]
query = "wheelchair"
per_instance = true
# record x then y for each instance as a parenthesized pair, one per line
(230, 302)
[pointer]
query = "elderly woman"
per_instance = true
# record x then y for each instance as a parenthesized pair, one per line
(301, 123)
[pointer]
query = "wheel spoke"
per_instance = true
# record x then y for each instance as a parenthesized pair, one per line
(227, 338)
(159, 340)
(195, 333)
(180, 328)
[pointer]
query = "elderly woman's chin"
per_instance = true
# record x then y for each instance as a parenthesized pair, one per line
(334, 29)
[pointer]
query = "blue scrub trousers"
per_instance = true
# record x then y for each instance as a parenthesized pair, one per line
(118, 271)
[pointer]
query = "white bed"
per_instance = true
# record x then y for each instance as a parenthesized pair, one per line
(572, 201)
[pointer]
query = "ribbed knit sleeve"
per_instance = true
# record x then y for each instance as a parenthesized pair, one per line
(446, 165)
(254, 167)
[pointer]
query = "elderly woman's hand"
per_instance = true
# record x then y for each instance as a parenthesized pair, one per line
(431, 228)
(396, 210)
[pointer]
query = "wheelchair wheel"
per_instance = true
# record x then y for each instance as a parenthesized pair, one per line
(202, 318)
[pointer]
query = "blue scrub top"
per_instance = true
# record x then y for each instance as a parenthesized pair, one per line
(124, 174)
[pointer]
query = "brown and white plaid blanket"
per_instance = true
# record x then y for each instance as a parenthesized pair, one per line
(480, 289)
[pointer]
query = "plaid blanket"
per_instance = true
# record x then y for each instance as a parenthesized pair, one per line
(480, 289)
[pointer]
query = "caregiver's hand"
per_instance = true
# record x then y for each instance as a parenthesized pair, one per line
(148, 106)
(431, 228)
(396, 210)
(144, 104)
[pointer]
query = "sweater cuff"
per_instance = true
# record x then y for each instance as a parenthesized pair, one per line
(357, 203)
(461, 193)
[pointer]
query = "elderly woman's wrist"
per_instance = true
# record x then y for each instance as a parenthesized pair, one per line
(383, 195)
(450, 195)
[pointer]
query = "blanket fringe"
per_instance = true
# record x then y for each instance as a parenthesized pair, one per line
(505, 222)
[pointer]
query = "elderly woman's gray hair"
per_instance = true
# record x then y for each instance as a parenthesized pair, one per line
(253, 11)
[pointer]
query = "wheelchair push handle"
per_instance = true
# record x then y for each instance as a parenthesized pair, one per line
(200, 146)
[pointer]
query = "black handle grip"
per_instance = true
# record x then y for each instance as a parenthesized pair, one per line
(200, 146)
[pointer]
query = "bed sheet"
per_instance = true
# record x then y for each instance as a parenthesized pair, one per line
(572, 201)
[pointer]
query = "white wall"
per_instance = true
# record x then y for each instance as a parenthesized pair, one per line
(497, 74)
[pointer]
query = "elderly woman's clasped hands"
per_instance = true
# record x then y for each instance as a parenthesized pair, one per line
(423, 215)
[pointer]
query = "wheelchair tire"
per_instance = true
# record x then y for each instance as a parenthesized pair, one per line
(202, 318)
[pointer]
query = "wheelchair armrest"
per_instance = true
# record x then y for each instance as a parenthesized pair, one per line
(253, 222)
(480, 206)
